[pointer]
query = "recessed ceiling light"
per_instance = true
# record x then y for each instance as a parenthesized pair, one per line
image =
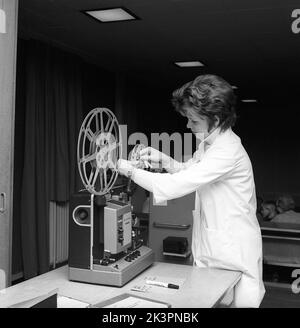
(111, 14)
(249, 100)
(189, 64)
(234, 87)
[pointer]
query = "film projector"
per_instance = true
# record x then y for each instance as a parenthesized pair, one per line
(104, 246)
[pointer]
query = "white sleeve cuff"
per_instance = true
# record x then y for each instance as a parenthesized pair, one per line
(143, 179)
(151, 182)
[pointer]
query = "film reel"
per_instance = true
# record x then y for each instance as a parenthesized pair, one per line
(134, 156)
(98, 149)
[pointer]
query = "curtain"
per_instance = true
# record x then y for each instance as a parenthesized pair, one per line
(53, 115)
(55, 91)
(127, 102)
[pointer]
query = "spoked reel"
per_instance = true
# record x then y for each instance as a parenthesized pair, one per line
(134, 155)
(99, 148)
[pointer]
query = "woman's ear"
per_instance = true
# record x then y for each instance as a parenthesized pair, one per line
(217, 121)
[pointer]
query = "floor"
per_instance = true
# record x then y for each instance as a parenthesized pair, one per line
(278, 284)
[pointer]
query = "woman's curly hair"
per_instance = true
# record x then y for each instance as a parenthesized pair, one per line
(210, 96)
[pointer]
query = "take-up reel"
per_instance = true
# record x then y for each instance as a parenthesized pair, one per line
(99, 148)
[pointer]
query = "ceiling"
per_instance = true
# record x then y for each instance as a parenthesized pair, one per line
(250, 43)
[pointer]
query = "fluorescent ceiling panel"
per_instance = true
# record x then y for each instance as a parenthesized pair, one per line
(111, 15)
(249, 100)
(189, 64)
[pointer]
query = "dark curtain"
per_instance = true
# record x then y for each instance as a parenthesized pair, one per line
(55, 90)
(128, 102)
(53, 115)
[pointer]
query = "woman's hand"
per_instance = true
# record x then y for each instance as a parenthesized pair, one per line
(126, 167)
(151, 155)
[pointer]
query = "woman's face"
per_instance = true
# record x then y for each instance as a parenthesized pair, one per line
(196, 123)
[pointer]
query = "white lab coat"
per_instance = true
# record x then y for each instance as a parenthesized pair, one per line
(226, 232)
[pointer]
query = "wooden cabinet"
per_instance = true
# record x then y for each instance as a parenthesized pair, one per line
(174, 219)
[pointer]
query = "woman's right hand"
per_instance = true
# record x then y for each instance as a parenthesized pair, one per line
(151, 156)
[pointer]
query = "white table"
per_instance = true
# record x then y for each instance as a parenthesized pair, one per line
(202, 288)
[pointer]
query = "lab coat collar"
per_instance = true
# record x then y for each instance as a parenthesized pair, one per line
(209, 140)
(212, 137)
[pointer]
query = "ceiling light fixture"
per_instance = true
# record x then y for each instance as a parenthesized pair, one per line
(108, 15)
(189, 64)
(249, 100)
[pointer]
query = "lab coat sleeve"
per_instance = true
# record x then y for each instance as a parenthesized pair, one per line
(217, 162)
(187, 164)
(144, 179)
(175, 166)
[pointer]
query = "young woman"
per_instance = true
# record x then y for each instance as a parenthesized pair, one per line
(226, 232)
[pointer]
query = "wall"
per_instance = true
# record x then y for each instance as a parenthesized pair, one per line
(269, 132)
(8, 46)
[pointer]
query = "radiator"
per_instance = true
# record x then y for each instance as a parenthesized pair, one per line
(58, 232)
